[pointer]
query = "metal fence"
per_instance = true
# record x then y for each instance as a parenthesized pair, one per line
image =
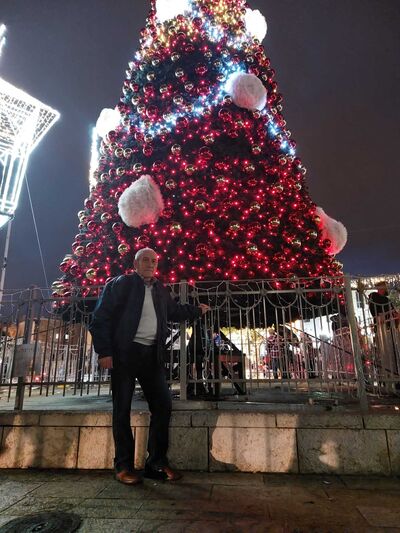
(267, 341)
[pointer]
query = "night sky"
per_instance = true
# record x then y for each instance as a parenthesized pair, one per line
(338, 68)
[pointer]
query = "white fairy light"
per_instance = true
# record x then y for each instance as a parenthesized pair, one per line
(24, 121)
(3, 39)
(94, 159)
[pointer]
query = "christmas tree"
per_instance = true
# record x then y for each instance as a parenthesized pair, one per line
(197, 163)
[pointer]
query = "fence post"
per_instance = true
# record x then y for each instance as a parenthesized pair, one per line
(183, 299)
(19, 395)
(351, 315)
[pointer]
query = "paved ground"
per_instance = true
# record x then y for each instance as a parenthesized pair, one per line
(204, 502)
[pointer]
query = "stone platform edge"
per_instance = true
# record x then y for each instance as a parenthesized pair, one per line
(214, 441)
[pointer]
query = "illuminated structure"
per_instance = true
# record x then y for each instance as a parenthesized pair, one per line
(196, 161)
(24, 121)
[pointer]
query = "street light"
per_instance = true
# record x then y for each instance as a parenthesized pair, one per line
(24, 121)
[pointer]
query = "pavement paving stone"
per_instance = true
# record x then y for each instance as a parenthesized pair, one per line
(302, 480)
(157, 491)
(208, 526)
(372, 482)
(6, 519)
(239, 478)
(101, 525)
(204, 502)
(12, 492)
(381, 516)
(229, 507)
(106, 508)
(72, 488)
(34, 475)
(31, 505)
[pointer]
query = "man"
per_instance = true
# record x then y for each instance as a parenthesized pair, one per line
(129, 330)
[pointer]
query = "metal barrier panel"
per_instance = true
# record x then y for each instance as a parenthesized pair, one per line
(377, 305)
(265, 341)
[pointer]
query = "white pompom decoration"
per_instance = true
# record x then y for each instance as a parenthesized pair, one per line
(333, 230)
(256, 25)
(246, 91)
(141, 203)
(169, 9)
(108, 120)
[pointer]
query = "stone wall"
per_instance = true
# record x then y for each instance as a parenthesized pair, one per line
(212, 440)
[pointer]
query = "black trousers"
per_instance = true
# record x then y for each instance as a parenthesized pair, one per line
(142, 364)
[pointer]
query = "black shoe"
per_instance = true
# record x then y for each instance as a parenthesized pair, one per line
(164, 473)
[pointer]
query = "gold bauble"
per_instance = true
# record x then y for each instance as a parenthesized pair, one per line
(79, 251)
(190, 169)
(178, 99)
(175, 227)
(176, 149)
(119, 152)
(252, 248)
(255, 207)
(105, 218)
(120, 171)
(200, 205)
(163, 88)
(123, 248)
(91, 273)
(151, 76)
(274, 222)
(234, 226)
(179, 72)
(170, 184)
(256, 149)
(175, 57)
(127, 153)
(137, 168)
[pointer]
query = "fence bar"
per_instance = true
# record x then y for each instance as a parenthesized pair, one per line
(351, 315)
(183, 370)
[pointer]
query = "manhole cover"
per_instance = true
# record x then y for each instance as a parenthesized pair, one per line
(43, 523)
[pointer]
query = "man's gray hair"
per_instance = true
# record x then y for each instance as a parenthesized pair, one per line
(140, 252)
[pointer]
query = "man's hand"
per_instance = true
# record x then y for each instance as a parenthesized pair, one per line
(106, 362)
(204, 308)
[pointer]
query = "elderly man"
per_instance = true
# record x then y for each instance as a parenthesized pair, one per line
(129, 329)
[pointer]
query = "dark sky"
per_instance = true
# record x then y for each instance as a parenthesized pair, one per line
(338, 68)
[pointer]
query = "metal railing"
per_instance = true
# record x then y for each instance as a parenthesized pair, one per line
(265, 341)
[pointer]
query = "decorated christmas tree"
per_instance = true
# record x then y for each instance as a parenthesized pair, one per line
(196, 161)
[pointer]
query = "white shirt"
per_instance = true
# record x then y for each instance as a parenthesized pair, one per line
(147, 328)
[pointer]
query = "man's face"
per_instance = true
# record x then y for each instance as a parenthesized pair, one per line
(146, 265)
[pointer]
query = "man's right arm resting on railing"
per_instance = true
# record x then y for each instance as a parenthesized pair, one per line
(102, 324)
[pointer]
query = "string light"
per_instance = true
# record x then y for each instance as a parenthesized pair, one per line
(236, 205)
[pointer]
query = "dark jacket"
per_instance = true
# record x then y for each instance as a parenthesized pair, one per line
(119, 308)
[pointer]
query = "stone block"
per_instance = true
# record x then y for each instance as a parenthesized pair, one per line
(95, 419)
(96, 448)
(342, 451)
(188, 448)
(323, 420)
(233, 419)
(379, 421)
(394, 450)
(39, 447)
(253, 450)
(140, 418)
(19, 419)
(181, 419)
(141, 437)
